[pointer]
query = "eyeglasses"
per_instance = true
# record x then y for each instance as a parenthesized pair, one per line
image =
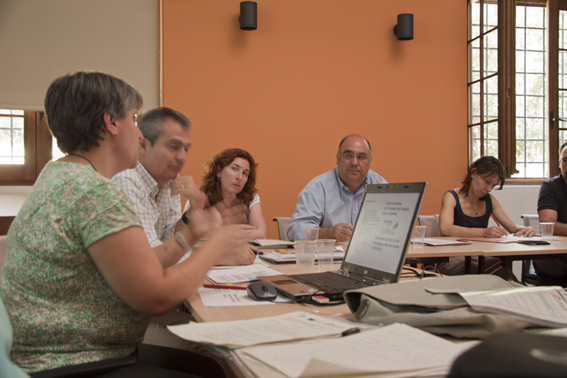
(349, 156)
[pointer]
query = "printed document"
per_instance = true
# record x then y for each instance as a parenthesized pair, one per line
(543, 305)
(244, 273)
(394, 348)
(239, 333)
(230, 297)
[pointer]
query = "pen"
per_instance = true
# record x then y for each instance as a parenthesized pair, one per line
(494, 218)
(231, 287)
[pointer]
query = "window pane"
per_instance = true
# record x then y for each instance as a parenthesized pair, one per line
(530, 92)
(520, 16)
(534, 151)
(490, 16)
(12, 137)
(562, 67)
(11, 112)
(491, 139)
(520, 131)
(562, 31)
(535, 170)
(491, 98)
(474, 57)
(474, 16)
(520, 39)
(474, 137)
(12, 146)
(520, 61)
(535, 128)
(474, 93)
(535, 39)
(562, 105)
(535, 17)
(535, 61)
(490, 53)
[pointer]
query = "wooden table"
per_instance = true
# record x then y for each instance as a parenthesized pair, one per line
(217, 314)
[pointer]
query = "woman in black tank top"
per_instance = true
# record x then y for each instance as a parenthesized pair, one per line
(465, 211)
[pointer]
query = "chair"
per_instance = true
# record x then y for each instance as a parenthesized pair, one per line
(283, 225)
(432, 230)
(432, 224)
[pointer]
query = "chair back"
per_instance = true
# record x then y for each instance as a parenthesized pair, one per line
(531, 220)
(432, 224)
(283, 225)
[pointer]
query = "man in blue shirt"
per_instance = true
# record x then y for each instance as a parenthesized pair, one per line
(331, 200)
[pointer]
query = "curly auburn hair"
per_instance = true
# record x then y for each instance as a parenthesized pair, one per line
(210, 184)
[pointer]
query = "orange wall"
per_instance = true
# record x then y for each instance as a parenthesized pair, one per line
(313, 72)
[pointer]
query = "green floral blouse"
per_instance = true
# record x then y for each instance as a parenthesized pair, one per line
(62, 310)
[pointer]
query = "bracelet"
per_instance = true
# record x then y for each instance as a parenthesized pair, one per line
(184, 219)
(182, 241)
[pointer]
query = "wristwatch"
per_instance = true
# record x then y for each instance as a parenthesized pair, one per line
(182, 241)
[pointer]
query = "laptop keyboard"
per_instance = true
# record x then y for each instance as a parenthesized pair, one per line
(329, 282)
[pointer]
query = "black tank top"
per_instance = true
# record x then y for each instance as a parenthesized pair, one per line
(463, 220)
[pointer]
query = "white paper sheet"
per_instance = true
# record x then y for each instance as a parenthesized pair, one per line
(245, 273)
(239, 333)
(228, 297)
(394, 348)
(543, 305)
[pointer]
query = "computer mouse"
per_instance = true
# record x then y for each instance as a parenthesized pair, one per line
(260, 291)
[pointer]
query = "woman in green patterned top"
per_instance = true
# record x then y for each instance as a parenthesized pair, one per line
(80, 281)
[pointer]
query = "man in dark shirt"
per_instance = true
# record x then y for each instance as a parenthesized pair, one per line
(552, 207)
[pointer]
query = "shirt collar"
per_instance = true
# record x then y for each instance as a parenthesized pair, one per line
(150, 184)
(345, 188)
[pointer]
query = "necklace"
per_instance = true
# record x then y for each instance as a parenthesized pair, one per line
(81, 156)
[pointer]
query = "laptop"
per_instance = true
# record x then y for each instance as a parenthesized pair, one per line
(377, 248)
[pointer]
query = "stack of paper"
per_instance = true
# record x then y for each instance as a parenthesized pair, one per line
(245, 273)
(272, 243)
(542, 305)
(441, 242)
(397, 350)
(240, 333)
(272, 346)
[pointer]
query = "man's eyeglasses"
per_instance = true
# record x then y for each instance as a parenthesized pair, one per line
(349, 156)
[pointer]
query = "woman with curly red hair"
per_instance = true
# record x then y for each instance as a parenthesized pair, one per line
(230, 179)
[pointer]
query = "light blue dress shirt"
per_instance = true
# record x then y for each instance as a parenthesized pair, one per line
(326, 201)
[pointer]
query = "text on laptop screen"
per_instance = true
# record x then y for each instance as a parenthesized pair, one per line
(381, 230)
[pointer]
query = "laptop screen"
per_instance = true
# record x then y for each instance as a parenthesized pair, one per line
(383, 229)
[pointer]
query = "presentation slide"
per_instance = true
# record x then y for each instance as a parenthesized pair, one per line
(383, 225)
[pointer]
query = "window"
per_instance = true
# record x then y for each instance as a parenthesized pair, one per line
(25, 146)
(520, 45)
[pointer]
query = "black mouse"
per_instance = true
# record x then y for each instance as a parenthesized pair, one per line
(260, 291)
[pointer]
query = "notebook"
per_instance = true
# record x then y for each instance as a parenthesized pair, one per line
(377, 248)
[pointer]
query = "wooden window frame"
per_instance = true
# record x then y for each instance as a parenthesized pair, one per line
(37, 145)
(507, 86)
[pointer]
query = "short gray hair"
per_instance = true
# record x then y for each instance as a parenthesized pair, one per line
(75, 105)
(150, 124)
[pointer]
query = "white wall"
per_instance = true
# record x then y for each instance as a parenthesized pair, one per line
(517, 200)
